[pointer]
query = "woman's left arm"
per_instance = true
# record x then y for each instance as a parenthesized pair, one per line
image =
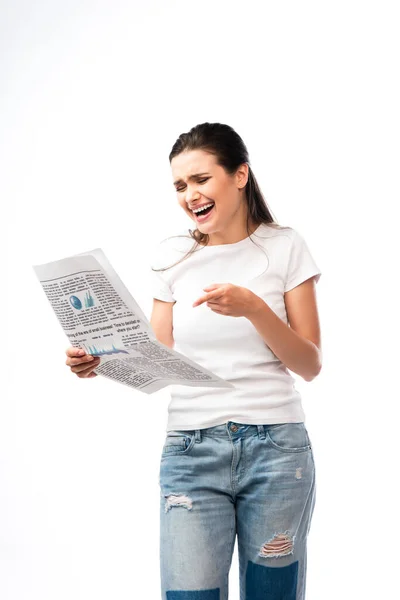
(298, 346)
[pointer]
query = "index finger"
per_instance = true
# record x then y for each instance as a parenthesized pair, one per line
(199, 301)
(206, 297)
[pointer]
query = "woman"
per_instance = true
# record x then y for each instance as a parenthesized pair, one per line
(236, 460)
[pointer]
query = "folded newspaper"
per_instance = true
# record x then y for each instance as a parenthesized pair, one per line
(99, 315)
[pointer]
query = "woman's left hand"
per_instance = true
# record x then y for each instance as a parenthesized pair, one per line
(231, 300)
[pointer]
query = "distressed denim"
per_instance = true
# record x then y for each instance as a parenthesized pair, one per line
(256, 482)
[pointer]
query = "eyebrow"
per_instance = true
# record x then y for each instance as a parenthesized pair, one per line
(191, 177)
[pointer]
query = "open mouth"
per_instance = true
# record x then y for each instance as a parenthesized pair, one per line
(204, 214)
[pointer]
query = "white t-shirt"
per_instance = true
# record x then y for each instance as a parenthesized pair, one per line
(231, 347)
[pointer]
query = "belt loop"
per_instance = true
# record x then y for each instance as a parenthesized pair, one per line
(197, 435)
(261, 432)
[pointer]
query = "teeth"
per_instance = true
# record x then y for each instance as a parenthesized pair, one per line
(202, 208)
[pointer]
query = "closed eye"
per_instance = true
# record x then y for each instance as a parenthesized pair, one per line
(200, 181)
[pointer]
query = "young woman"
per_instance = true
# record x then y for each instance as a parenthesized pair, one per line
(238, 297)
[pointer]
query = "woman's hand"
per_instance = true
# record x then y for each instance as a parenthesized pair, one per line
(81, 364)
(231, 300)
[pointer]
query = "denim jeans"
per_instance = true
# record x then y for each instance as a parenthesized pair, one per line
(253, 481)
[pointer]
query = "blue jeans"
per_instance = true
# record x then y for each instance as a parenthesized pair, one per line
(253, 481)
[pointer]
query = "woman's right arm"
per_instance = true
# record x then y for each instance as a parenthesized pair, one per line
(161, 321)
(82, 364)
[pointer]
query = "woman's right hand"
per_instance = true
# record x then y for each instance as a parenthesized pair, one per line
(81, 364)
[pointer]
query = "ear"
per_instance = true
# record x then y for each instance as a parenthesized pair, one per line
(242, 175)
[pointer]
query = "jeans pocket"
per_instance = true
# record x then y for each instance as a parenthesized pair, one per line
(288, 437)
(177, 443)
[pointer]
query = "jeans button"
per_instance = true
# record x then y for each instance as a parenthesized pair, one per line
(234, 427)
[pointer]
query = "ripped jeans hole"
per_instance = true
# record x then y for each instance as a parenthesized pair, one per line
(280, 545)
(177, 500)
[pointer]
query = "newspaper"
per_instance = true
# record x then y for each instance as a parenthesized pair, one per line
(99, 315)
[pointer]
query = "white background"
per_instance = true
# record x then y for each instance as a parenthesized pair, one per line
(93, 96)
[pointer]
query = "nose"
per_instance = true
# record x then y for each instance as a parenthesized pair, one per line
(191, 194)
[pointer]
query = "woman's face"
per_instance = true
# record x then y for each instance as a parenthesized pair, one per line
(198, 181)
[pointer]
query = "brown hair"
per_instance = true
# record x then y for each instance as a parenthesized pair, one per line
(230, 151)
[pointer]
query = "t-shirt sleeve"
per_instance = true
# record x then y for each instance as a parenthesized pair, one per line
(160, 287)
(301, 264)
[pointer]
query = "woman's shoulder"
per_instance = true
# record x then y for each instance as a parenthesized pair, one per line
(292, 234)
(171, 248)
(274, 230)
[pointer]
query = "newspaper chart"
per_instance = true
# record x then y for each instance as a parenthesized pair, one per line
(99, 315)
